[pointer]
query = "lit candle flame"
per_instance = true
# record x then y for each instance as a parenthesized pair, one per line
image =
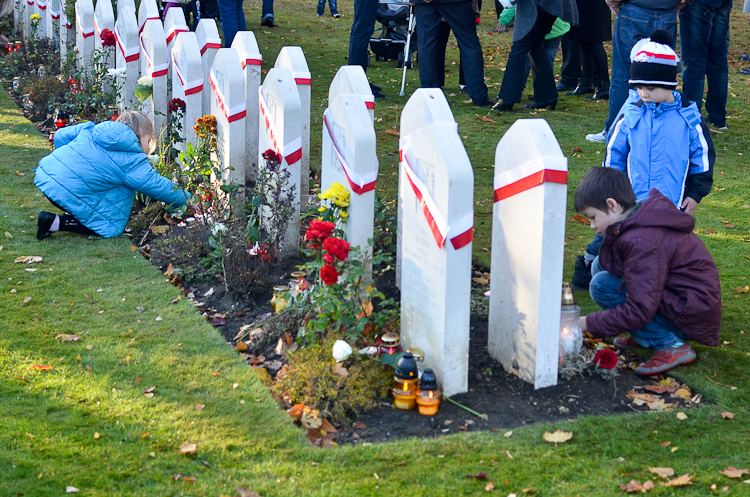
(564, 331)
(406, 386)
(429, 393)
(390, 350)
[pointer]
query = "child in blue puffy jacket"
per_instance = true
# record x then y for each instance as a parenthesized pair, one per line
(94, 172)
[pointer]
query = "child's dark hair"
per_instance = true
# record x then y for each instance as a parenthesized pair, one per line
(601, 183)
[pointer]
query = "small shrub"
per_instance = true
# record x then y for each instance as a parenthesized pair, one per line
(310, 379)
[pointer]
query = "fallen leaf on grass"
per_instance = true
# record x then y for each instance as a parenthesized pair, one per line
(576, 149)
(188, 448)
(29, 259)
(681, 416)
(489, 487)
(64, 337)
(8, 235)
(481, 281)
(177, 476)
(41, 367)
(666, 444)
(510, 456)
(670, 385)
(663, 472)
(392, 132)
(636, 486)
(485, 119)
(340, 370)
(200, 407)
(508, 434)
(732, 472)
(478, 476)
(246, 492)
(557, 437)
(191, 479)
(70, 489)
(746, 289)
(678, 482)
(26, 300)
(727, 415)
(149, 392)
(684, 393)
(581, 219)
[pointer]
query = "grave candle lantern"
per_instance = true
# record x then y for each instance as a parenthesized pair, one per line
(278, 301)
(571, 336)
(390, 344)
(428, 397)
(405, 383)
(298, 283)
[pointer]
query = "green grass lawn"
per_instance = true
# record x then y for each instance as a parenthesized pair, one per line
(86, 422)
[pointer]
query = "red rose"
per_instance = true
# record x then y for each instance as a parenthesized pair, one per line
(108, 38)
(317, 232)
(606, 359)
(329, 275)
(271, 156)
(328, 259)
(176, 104)
(337, 247)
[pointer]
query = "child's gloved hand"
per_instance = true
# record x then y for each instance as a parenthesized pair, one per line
(153, 159)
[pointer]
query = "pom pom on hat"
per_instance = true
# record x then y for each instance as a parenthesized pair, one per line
(653, 61)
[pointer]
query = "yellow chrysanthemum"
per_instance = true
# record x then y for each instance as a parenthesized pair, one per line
(344, 215)
(34, 17)
(321, 209)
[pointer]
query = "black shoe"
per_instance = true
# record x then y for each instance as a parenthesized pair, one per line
(581, 90)
(581, 275)
(44, 223)
(374, 88)
(502, 105)
(268, 23)
(745, 57)
(462, 89)
(377, 94)
(483, 103)
(336, 15)
(599, 95)
(745, 71)
(543, 105)
(563, 87)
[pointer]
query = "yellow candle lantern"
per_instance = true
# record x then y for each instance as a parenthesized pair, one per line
(278, 301)
(405, 386)
(428, 397)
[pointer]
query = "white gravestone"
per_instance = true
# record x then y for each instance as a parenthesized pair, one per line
(293, 58)
(228, 105)
(147, 10)
(251, 60)
(528, 236)
(127, 57)
(29, 10)
(174, 23)
(281, 130)
(53, 22)
(104, 18)
(67, 32)
(437, 198)
(85, 32)
(433, 109)
(187, 83)
(352, 79)
(44, 19)
(123, 5)
(349, 158)
(208, 43)
(155, 63)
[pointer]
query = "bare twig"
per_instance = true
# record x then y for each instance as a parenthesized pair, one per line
(255, 324)
(149, 227)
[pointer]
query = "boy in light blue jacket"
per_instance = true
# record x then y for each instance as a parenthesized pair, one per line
(94, 172)
(658, 138)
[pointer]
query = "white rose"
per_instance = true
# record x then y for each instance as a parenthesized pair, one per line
(341, 350)
(145, 81)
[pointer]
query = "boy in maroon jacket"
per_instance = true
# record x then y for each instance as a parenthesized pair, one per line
(653, 277)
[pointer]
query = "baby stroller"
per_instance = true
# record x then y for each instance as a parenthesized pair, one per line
(397, 29)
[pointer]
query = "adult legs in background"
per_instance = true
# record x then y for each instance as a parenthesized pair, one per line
(632, 24)
(232, 19)
(209, 9)
(570, 71)
(550, 46)
(191, 10)
(594, 60)
(532, 44)
(442, 44)
(363, 25)
(266, 17)
(704, 35)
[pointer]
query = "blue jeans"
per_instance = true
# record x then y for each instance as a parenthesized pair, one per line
(267, 11)
(632, 25)
(550, 46)
(704, 42)
(331, 5)
(232, 19)
(609, 291)
(592, 250)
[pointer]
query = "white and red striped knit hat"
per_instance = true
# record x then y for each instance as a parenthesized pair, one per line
(653, 61)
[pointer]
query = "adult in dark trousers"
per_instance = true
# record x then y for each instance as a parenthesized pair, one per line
(704, 43)
(594, 27)
(444, 35)
(636, 19)
(460, 17)
(534, 20)
(232, 19)
(571, 76)
(266, 16)
(363, 25)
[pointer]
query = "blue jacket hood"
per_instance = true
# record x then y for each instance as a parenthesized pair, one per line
(116, 137)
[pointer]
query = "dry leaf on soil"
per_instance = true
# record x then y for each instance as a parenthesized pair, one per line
(732, 472)
(678, 482)
(557, 437)
(340, 370)
(358, 425)
(188, 448)
(241, 346)
(636, 486)
(663, 472)
(159, 230)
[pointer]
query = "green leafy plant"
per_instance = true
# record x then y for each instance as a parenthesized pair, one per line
(275, 201)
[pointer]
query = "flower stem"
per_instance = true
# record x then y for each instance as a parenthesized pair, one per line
(483, 416)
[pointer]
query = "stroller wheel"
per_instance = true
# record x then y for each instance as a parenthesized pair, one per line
(400, 60)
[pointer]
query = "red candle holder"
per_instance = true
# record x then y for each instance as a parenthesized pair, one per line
(390, 344)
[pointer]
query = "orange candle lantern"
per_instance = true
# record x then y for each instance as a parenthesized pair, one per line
(428, 397)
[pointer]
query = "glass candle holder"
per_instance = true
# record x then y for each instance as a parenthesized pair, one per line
(390, 344)
(404, 393)
(428, 397)
(571, 335)
(278, 301)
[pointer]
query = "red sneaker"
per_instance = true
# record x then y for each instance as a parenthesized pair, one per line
(666, 359)
(625, 343)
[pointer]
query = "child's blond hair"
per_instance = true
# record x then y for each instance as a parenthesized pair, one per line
(138, 122)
